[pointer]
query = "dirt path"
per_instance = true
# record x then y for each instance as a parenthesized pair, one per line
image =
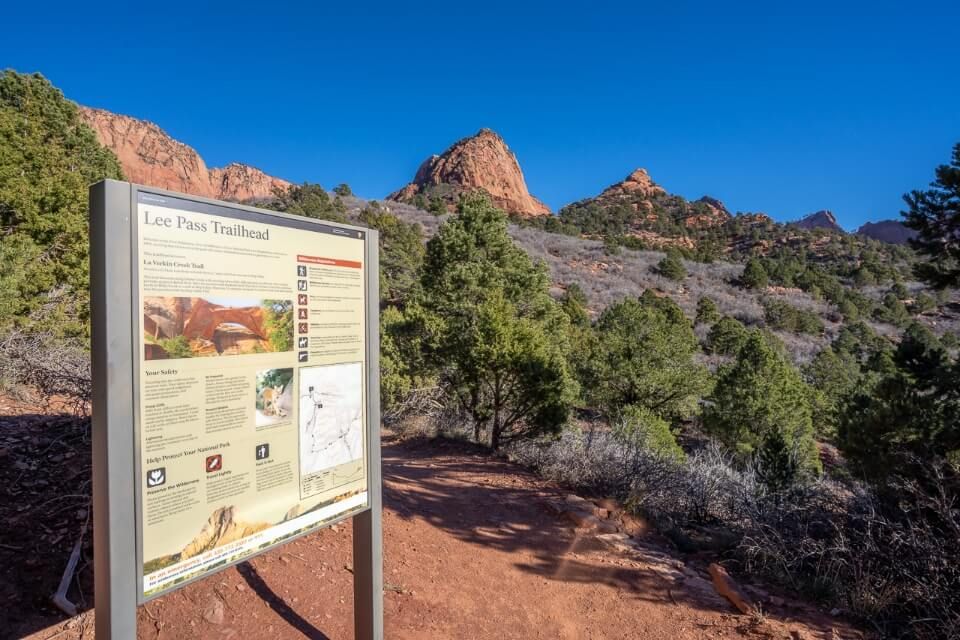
(471, 551)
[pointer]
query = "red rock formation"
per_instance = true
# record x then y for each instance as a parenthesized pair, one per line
(211, 329)
(482, 161)
(149, 156)
(205, 317)
(716, 214)
(819, 220)
(164, 317)
(638, 183)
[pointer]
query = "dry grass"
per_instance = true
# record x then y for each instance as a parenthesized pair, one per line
(896, 566)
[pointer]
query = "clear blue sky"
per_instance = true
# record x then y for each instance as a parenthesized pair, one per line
(836, 105)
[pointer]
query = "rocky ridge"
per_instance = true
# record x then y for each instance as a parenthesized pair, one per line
(638, 183)
(148, 155)
(480, 162)
(890, 231)
(823, 219)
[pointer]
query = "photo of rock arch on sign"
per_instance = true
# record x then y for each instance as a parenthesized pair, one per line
(190, 327)
(331, 416)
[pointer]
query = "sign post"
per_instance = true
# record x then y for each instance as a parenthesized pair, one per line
(236, 393)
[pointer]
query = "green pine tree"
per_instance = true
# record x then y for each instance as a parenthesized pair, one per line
(707, 312)
(644, 356)
(671, 266)
(758, 395)
(500, 339)
(754, 275)
(935, 215)
(48, 159)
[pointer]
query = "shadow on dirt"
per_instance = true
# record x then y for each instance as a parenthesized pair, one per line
(459, 488)
(278, 604)
(44, 505)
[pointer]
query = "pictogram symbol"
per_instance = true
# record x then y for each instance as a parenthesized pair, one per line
(214, 463)
(156, 477)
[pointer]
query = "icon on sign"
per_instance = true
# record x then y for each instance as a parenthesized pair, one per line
(156, 477)
(302, 356)
(302, 298)
(214, 463)
(302, 342)
(301, 285)
(301, 327)
(302, 313)
(263, 451)
(302, 270)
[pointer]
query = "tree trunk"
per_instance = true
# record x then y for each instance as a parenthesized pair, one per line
(497, 426)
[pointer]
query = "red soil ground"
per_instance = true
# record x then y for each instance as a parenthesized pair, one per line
(471, 551)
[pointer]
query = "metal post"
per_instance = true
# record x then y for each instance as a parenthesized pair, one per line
(368, 526)
(114, 523)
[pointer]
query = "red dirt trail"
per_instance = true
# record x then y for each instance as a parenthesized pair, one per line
(470, 551)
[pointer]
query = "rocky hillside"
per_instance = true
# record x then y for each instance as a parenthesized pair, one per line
(149, 156)
(890, 231)
(819, 220)
(482, 161)
(638, 212)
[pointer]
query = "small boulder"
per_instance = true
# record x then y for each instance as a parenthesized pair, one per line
(609, 504)
(727, 588)
(213, 612)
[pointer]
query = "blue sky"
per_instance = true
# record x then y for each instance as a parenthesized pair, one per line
(837, 105)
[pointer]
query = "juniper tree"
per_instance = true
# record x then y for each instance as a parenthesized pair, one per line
(757, 396)
(707, 312)
(498, 336)
(644, 356)
(754, 275)
(48, 159)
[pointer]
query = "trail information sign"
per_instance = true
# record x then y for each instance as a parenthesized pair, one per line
(236, 390)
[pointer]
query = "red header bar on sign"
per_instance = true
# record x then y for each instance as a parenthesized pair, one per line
(333, 262)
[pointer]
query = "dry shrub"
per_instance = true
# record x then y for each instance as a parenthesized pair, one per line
(891, 558)
(52, 372)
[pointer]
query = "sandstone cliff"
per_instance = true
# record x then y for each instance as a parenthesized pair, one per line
(149, 156)
(482, 161)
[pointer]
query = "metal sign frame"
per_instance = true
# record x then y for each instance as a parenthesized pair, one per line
(116, 325)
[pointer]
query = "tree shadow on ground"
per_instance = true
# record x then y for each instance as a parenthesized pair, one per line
(479, 499)
(44, 504)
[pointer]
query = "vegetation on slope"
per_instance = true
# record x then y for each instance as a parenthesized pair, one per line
(48, 159)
